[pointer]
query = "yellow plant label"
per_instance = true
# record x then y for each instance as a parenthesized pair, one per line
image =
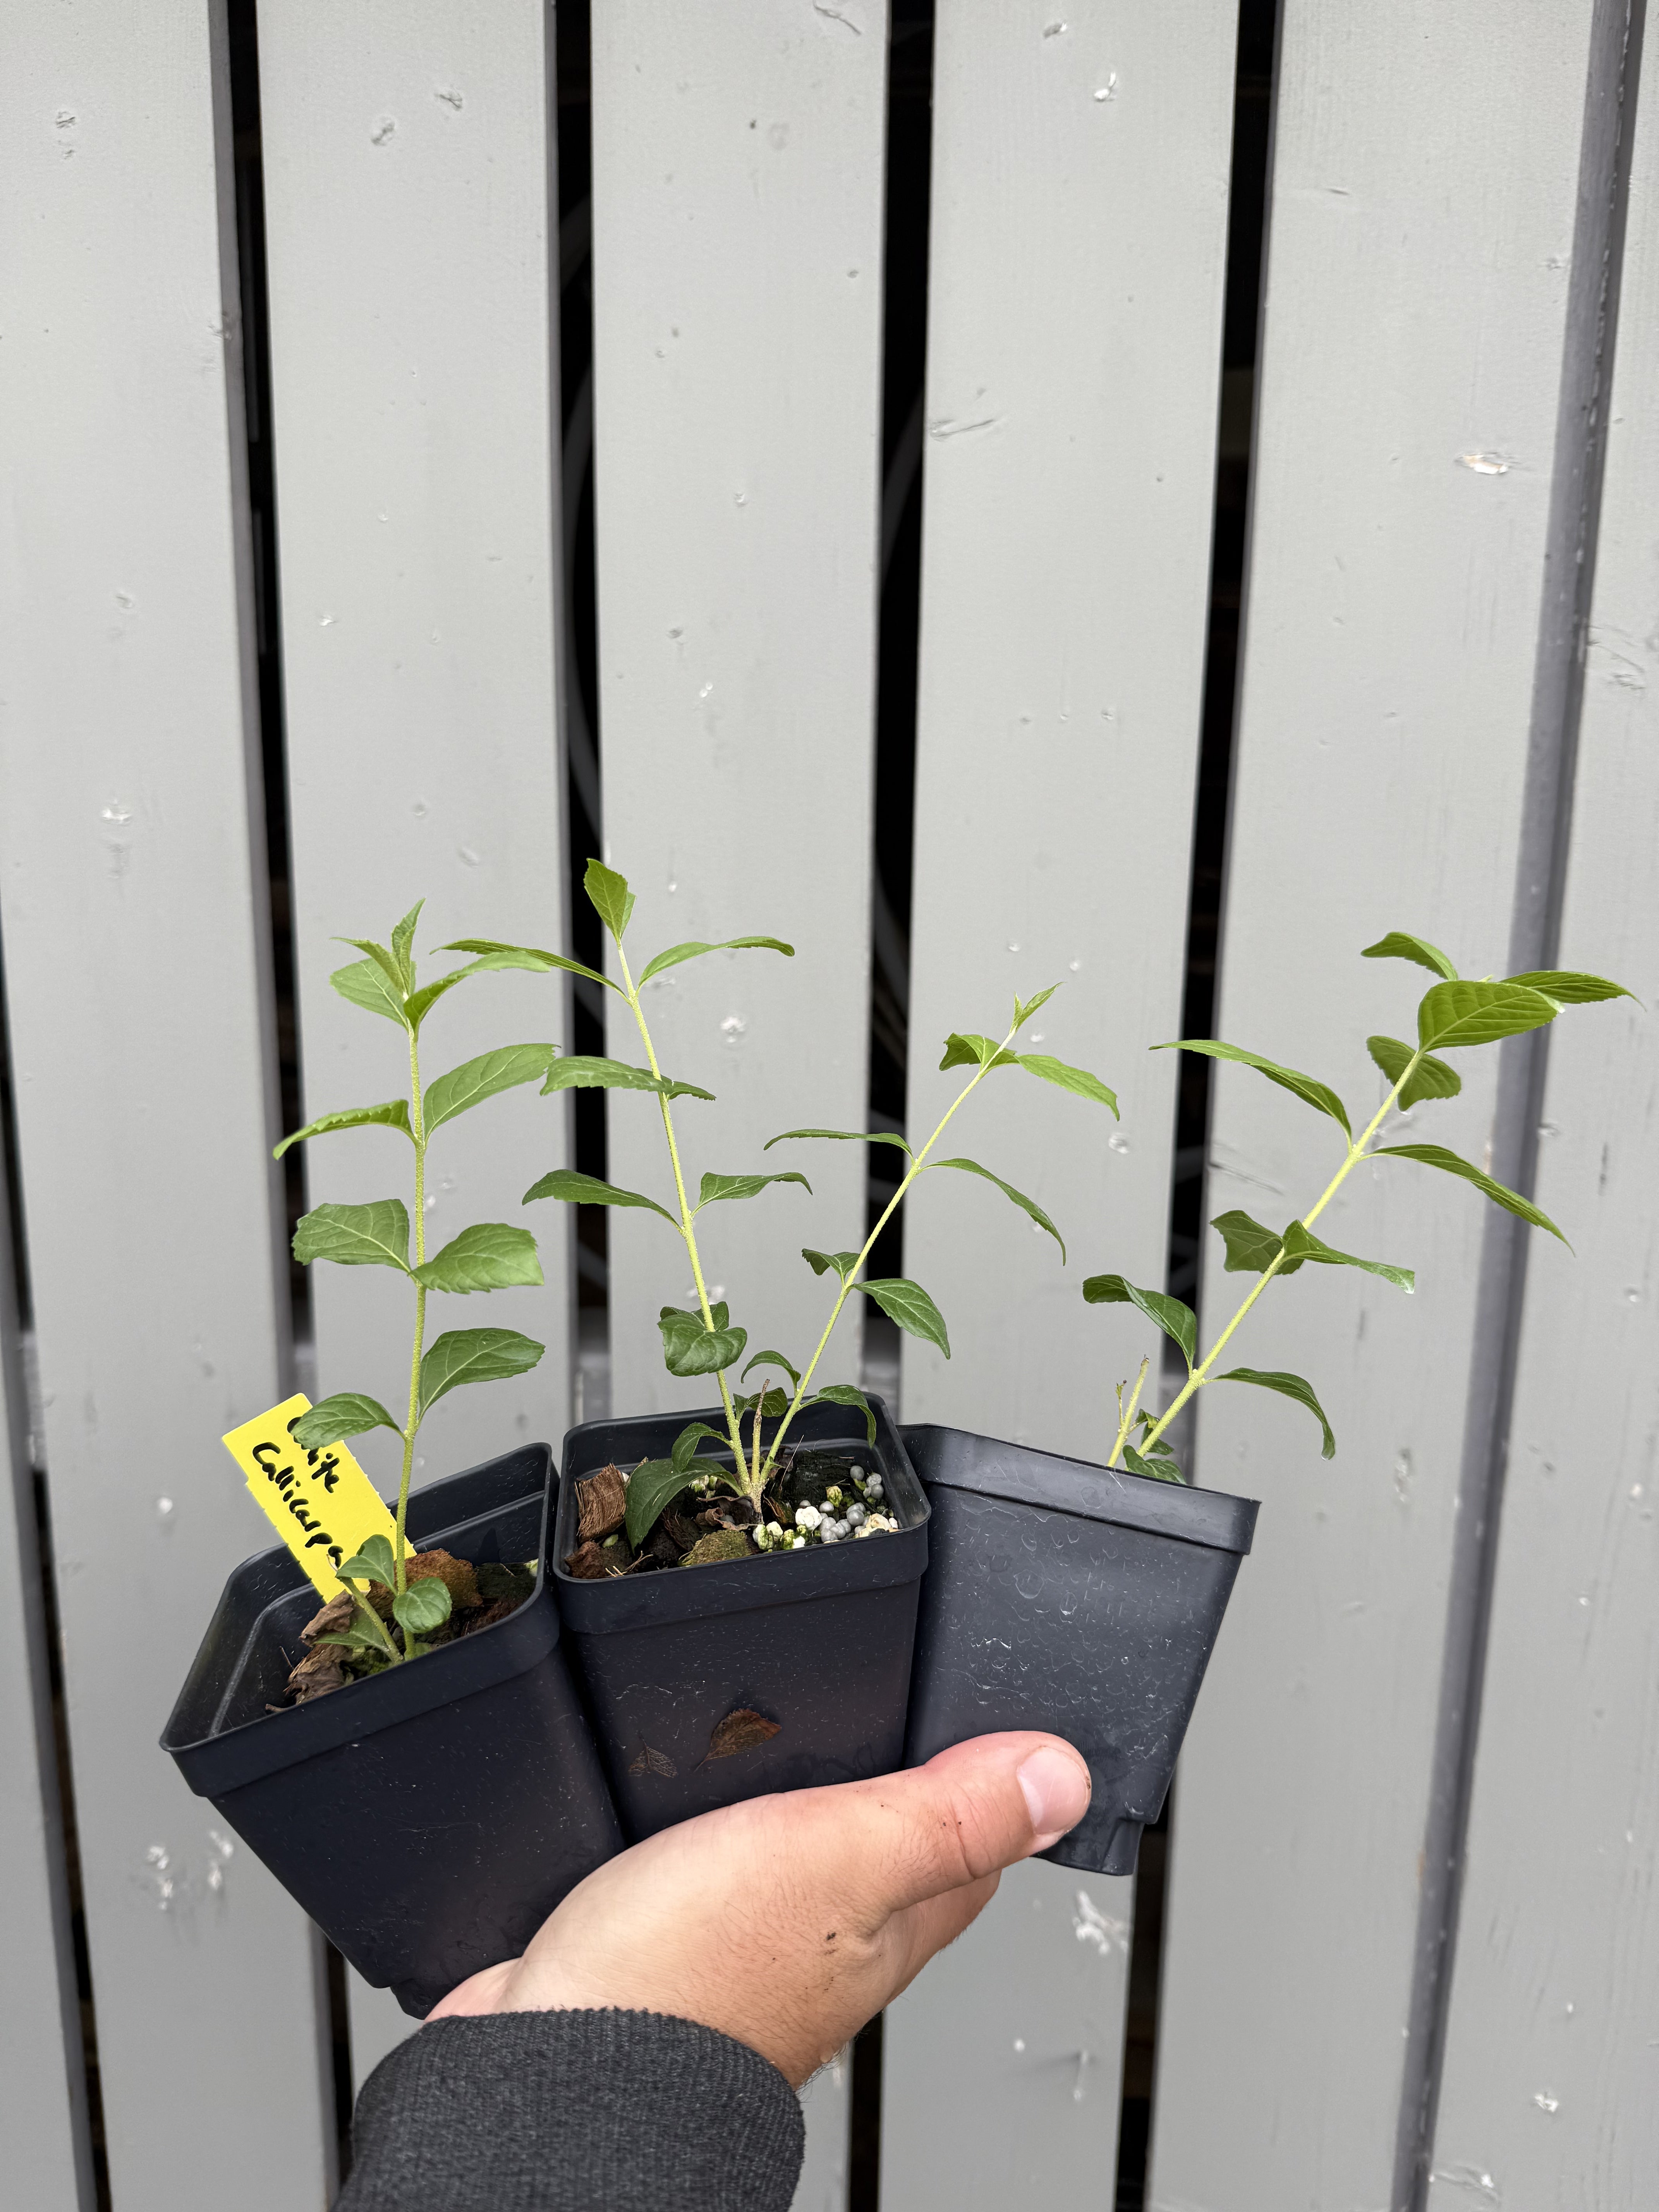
(321, 1503)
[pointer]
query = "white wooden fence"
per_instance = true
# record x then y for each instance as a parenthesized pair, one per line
(1411, 1948)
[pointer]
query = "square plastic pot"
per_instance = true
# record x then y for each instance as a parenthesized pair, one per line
(817, 1642)
(429, 1818)
(1074, 1598)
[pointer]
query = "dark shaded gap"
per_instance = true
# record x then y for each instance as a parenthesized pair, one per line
(863, 2144)
(1253, 108)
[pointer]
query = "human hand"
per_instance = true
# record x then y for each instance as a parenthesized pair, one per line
(788, 1922)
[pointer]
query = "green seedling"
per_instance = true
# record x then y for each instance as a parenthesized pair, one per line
(1455, 1015)
(491, 1256)
(704, 1340)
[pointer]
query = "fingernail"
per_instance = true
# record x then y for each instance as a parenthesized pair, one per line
(1056, 1786)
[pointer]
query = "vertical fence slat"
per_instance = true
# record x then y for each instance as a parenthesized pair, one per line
(409, 177)
(1414, 332)
(133, 879)
(1079, 216)
(827, 2103)
(1549, 2075)
(738, 160)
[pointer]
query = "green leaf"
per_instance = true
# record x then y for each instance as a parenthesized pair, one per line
(718, 1187)
(1160, 1465)
(371, 1563)
(909, 1305)
(685, 1445)
(609, 896)
(1571, 987)
(423, 1607)
(1301, 1244)
(579, 1189)
(474, 1080)
(491, 1256)
(846, 1394)
(403, 944)
(1024, 1010)
(1288, 1386)
(847, 1136)
(695, 948)
(1437, 1155)
(773, 1401)
(587, 1072)
(374, 1235)
(1025, 1204)
(842, 1263)
(494, 954)
(365, 984)
(656, 1483)
(690, 1347)
(355, 1639)
(474, 1355)
(1400, 944)
(1250, 1248)
(1305, 1087)
(1076, 1079)
(394, 1114)
(1454, 1016)
(391, 969)
(973, 1050)
(774, 1359)
(1176, 1321)
(348, 1414)
(1432, 1079)
(420, 1002)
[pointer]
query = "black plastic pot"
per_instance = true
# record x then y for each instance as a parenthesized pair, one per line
(429, 1818)
(1071, 1598)
(817, 1642)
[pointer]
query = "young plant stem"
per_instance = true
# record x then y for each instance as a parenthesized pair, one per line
(733, 1427)
(916, 1166)
(418, 1130)
(1128, 1421)
(1199, 1375)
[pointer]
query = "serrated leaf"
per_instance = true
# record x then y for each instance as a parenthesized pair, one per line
(1160, 1466)
(474, 1355)
(1455, 1015)
(420, 1002)
(715, 1188)
(1025, 1204)
(1178, 1321)
(403, 944)
(423, 1607)
(493, 953)
(690, 1347)
(1437, 1155)
(609, 896)
(847, 1393)
(1075, 1080)
(347, 1414)
(578, 1190)
(846, 1136)
(391, 969)
(1024, 1009)
(1432, 1077)
(775, 1360)
(1308, 1088)
(839, 1263)
(353, 1639)
(972, 1050)
(474, 1080)
(589, 1072)
(372, 1562)
(685, 1445)
(365, 984)
(695, 948)
(1250, 1248)
(374, 1236)
(491, 1256)
(739, 1731)
(653, 1762)
(1401, 945)
(1571, 987)
(773, 1402)
(394, 1114)
(1288, 1386)
(909, 1305)
(1301, 1244)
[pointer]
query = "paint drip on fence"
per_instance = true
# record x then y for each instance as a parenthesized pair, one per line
(320, 1503)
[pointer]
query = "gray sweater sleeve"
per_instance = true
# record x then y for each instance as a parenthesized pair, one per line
(573, 2111)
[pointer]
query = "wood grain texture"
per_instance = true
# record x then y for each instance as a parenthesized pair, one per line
(1413, 342)
(1002, 2063)
(738, 165)
(408, 155)
(1548, 2099)
(131, 885)
(1080, 221)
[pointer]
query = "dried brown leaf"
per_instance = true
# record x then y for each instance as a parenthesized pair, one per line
(739, 1731)
(653, 1762)
(601, 1503)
